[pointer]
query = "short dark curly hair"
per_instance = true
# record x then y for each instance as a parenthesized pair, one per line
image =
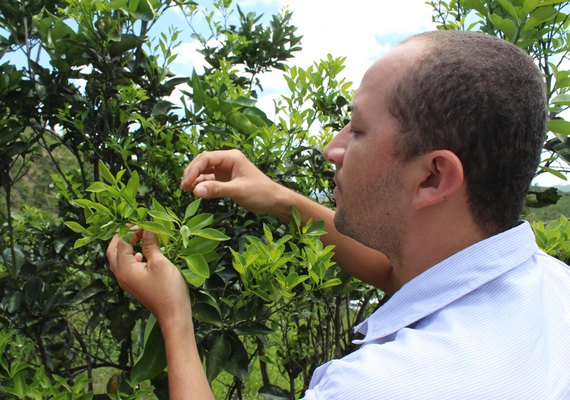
(484, 99)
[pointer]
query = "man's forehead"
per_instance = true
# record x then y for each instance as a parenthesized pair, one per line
(398, 58)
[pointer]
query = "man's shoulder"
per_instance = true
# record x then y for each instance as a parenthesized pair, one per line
(481, 345)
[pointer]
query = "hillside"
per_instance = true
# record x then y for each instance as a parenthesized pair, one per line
(561, 208)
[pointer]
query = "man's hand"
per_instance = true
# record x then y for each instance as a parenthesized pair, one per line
(160, 287)
(230, 174)
(156, 283)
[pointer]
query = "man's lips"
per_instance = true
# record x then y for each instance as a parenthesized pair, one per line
(337, 188)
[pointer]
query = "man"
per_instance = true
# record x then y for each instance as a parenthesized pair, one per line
(432, 173)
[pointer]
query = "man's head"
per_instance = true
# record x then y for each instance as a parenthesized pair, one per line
(474, 102)
(482, 98)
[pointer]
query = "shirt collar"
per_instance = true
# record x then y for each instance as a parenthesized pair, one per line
(449, 280)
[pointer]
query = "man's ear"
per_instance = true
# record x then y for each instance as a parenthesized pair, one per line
(440, 174)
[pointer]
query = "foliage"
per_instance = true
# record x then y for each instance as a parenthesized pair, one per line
(95, 97)
(22, 377)
(554, 238)
(114, 208)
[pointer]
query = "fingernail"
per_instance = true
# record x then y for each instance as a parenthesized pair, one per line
(201, 191)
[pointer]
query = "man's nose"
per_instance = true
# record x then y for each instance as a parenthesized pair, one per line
(335, 149)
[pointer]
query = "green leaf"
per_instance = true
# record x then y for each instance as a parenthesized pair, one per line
(559, 126)
(132, 188)
(212, 234)
(142, 9)
(192, 279)
(540, 16)
(240, 122)
(330, 283)
(33, 289)
(84, 203)
(192, 209)
(556, 173)
(205, 312)
(87, 292)
(262, 294)
(238, 363)
(162, 216)
(217, 357)
(155, 227)
(561, 99)
(530, 5)
(99, 187)
(238, 262)
(243, 101)
(152, 361)
(162, 107)
(198, 265)
(510, 8)
(125, 210)
(506, 25)
(74, 226)
(105, 173)
(199, 245)
(267, 232)
(256, 329)
(272, 392)
(82, 242)
(198, 94)
(200, 221)
(257, 117)
(127, 42)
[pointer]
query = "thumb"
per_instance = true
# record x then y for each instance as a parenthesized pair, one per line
(150, 247)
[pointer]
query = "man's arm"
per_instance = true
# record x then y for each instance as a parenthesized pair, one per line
(230, 174)
(158, 285)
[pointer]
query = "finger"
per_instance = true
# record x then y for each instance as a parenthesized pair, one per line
(139, 257)
(136, 236)
(207, 163)
(112, 252)
(124, 253)
(216, 189)
(205, 177)
(199, 165)
(150, 247)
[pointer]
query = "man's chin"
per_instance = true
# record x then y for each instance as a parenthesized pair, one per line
(341, 222)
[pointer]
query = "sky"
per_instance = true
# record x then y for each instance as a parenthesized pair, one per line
(360, 30)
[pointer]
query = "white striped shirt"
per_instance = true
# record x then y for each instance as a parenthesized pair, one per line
(490, 322)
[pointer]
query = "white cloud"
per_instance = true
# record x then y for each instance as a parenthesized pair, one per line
(360, 30)
(188, 58)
